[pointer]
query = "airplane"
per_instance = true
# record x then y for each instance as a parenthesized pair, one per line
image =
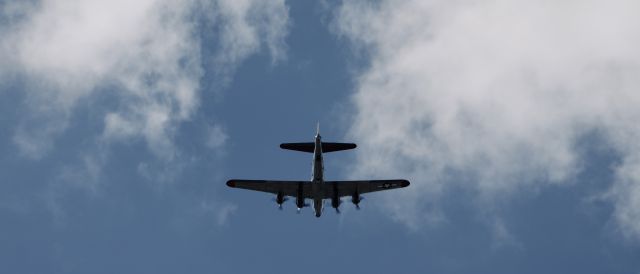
(317, 188)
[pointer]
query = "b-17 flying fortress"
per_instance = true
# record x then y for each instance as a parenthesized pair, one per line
(317, 188)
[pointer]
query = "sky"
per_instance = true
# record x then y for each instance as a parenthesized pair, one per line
(515, 121)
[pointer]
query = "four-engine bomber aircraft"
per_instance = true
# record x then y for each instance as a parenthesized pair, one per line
(317, 189)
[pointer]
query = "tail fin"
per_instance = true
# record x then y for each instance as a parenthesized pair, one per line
(326, 147)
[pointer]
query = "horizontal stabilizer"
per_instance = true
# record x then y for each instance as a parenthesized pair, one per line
(304, 147)
(326, 147)
(331, 147)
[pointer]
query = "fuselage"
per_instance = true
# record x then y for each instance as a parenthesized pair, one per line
(317, 177)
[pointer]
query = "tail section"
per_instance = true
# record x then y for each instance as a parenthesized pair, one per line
(326, 147)
(310, 147)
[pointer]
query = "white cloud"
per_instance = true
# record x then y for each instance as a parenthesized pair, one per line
(139, 63)
(224, 213)
(216, 137)
(146, 53)
(250, 21)
(221, 212)
(494, 95)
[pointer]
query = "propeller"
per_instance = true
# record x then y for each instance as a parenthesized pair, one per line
(300, 208)
(284, 199)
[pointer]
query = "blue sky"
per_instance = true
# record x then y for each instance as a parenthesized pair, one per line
(514, 121)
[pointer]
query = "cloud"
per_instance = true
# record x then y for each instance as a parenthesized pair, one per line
(222, 213)
(216, 137)
(251, 21)
(145, 55)
(108, 72)
(495, 96)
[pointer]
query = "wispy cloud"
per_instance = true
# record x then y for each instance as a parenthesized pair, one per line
(145, 54)
(495, 95)
(135, 66)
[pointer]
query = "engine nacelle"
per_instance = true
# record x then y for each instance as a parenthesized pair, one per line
(280, 198)
(300, 202)
(335, 198)
(356, 198)
(335, 202)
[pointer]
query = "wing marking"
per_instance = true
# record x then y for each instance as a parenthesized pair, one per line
(349, 188)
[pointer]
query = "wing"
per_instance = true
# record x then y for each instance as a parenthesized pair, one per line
(287, 188)
(348, 188)
(326, 147)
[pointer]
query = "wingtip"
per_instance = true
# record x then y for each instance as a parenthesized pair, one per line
(231, 183)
